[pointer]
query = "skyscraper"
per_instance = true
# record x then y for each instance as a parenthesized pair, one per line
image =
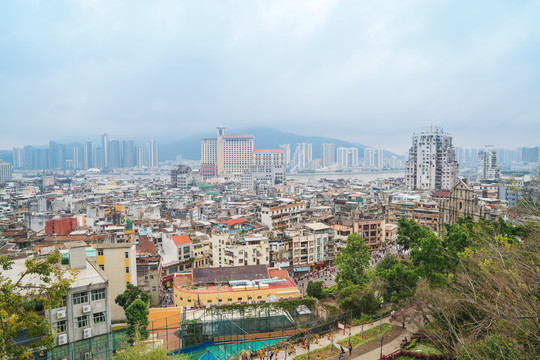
(303, 156)
(328, 154)
(487, 164)
(432, 163)
(286, 153)
(347, 157)
(128, 153)
(105, 147)
(153, 159)
(87, 155)
(374, 158)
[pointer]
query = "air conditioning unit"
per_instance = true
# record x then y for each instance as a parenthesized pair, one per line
(87, 333)
(86, 309)
(60, 314)
(62, 339)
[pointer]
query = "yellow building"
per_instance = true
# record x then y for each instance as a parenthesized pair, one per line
(232, 285)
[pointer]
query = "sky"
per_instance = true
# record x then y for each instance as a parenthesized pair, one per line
(372, 72)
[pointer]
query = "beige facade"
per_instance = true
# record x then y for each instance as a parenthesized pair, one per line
(275, 215)
(119, 264)
(372, 231)
(462, 202)
(230, 154)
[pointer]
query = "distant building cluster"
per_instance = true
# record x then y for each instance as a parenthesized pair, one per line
(112, 154)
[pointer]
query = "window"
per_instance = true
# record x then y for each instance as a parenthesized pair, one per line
(99, 317)
(127, 270)
(98, 294)
(229, 299)
(259, 297)
(127, 255)
(189, 300)
(209, 301)
(81, 321)
(239, 299)
(64, 301)
(61, 326)
(100, 252)
(249, 298)
(80, 298)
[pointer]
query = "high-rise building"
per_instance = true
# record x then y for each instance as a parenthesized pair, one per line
(128, 154)
(6, 171)
(87, 156)
(18, 158)
(487, 164)
(153, 159)
(286, 152)
(114, 157)
(530, 154)
(76, 159)
(432, 163)
(140, 156)
(303, 156)
(226, 154)
(105, 147)
(328, 154)
(373, 158)
(347, 157)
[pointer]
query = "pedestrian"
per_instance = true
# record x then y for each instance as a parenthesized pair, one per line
(350, 351)
(403, 322)
(271, 355)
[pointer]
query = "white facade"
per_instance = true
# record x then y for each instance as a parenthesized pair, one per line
(303, 156)
(373, 158)
(432, 163)
(328, 154)
(286, 148)
(487, 164)
(347, 157)
(6, 171)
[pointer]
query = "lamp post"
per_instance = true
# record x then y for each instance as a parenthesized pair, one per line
(382, 337)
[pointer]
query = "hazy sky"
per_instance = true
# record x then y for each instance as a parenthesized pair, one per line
(367, 71)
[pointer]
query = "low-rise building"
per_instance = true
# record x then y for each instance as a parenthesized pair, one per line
(232, 285)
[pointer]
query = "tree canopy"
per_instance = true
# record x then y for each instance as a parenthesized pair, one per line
(131, 294)
(41, 286)
(352, 262)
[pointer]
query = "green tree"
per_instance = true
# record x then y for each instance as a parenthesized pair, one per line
(399, 281)
(387, 262)
(131, 294)
(41, 286)
(137, 317)
(352, 262)
(409, 232)
(315, 289)
(357, 297)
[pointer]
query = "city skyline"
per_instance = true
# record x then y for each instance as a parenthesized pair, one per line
(365, 72)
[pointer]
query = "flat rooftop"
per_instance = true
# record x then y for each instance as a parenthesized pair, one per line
(225, 274)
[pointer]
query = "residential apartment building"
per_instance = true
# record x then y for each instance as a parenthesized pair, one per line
(303, 156)
(374, 158)
(424, 212)
(432, 163)
(240, 251)
(347, 157)
(372, 231)
(328, 154)
(279, 215)
(325, 244)
(268, 166)
(83, 321)
(6, 171)
(487, 164)
(286, 148)
(119, 264)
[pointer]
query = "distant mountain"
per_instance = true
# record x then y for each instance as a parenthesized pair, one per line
(265, 138)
